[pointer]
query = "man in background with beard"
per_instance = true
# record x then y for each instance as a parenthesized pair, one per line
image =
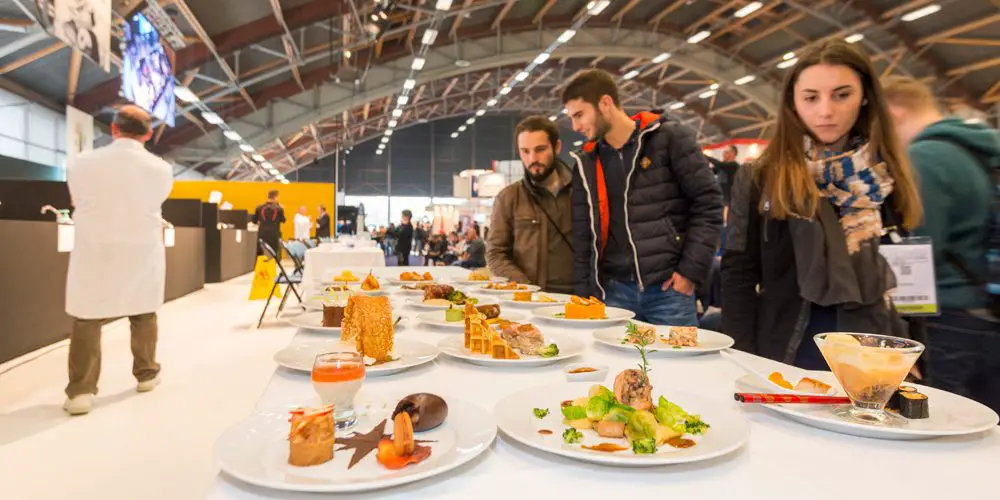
(529, 237)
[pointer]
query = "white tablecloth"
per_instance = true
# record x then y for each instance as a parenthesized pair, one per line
(782, 460)
(327, 260)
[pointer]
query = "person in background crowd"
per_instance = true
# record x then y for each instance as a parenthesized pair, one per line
(390, 239)
(647, 212)
(453, 247)
(531, 220)
(437, 246)
(802, 252)
(419, 238)
(404, 239)
(323, 224)
(118, 264)
(269, 217)
(726, 170)
(955, 162)
(474, 256)
(303, 224)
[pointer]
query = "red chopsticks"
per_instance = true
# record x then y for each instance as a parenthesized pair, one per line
(745, 397)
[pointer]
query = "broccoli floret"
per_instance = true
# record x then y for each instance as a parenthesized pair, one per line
(572, 435)
(695, 426)
(541, 412)
(549, 351)
(645, 446)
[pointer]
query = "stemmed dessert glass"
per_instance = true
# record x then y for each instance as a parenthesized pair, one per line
(337, 377)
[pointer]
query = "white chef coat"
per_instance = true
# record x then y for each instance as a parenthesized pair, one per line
(118, 263)
(302, 226)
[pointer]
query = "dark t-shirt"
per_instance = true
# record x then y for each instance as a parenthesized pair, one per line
(477, 253)
(269, 216)
(404, 238)
(618, 262)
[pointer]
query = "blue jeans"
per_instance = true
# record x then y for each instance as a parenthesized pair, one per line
(963, 356)
(655, 306)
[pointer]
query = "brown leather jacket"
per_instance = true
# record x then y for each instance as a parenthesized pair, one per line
(524, 244)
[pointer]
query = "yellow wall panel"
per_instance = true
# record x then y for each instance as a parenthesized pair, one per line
(247, 195)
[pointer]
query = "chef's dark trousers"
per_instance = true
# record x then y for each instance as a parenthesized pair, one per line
(85, 352)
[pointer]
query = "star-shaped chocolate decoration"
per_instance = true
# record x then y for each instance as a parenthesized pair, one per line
(362, 444)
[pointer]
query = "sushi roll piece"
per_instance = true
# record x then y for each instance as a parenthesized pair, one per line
(914, 405)
(893, 404)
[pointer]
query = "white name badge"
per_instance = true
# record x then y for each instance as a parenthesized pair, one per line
(916, 288)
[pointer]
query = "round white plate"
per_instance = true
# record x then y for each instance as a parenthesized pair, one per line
(560, 299)
(411, 353)
(467, 282)
(418, 303)
(615, 316)
(569, 347)
(315, 303)
(950, 415)
(708, 341)
(312, 321)
(729, 429)
(436, 318)
(397, 281)
(255, 451)
(527, 288)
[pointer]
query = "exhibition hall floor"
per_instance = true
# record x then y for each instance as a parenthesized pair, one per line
(152, 446)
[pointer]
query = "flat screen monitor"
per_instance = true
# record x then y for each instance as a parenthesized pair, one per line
(147, 73)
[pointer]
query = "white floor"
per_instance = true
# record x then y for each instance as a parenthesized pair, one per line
(149, 446)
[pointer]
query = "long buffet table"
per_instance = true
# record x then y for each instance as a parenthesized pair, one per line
(782, 459)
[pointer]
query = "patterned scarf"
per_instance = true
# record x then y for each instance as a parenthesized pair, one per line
(856, 182)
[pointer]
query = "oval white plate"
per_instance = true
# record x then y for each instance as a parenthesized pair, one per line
(756, 369)
(312, 321)
(708, 341)
(615, 316)
(436, 318)
(255, 451)
(527, 288)
(411, 353)
(950, 415)
(418, 303)
(569, 347)
(729, 429)
(560, 299)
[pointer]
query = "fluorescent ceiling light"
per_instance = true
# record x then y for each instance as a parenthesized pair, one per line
(403, 100)
(492, 102)
(745, 80)
(285, 181)
(233, 135)
(553, 118)
(267, 165)
(258, 157)
(418, 63)
(481, 112)
(921, 12)
(566, 36)
(392, 123)
(855, 38)
(699, 36)
(660, 58)
(443, 5)
(596, 7)
(631, 74)
(578, 143)
(185, 94)
(430, 34)
(750, 8)
(396, 113)
(211, 117)
(541, 58)
(677, 105)
(505, 91)
(788, 55)
(388, 132)
(707, 94)
(461, 128)
(788, 63)
(470, 121)
(385, 140)
(409, 84)
(454, 135)
(378, 152)
(246, 148)
(714, 86)
(347, 54)
(521, 76)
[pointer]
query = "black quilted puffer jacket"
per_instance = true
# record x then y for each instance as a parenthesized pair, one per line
(673, 209)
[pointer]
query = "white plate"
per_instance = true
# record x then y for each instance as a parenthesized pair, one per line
(756, 369)
(312, 321)
(950, 415)
(615, 316)
(398, 282)
(729, 429)
(708, 341)
(436, 318)
(560, 299)
(466, 282)
(411, 353)
(569, 347)
(255, 451)
(315, 302)
(418, 303)
(527, 288)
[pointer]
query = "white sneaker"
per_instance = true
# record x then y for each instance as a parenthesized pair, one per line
(148, 385)
(80, 405)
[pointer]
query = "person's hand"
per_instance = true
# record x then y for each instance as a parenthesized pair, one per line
(679, 283)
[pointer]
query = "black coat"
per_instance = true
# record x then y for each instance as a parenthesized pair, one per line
(673, 206)
(323, 226)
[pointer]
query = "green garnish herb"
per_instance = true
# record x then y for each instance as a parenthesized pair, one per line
(571, 436)
(641, 344)
(541, 413)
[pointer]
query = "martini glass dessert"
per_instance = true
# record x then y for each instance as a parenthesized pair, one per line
(869, 368)
(337, 377)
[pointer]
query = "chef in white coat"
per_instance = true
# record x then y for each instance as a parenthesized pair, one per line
(118, 264)
(303, 224)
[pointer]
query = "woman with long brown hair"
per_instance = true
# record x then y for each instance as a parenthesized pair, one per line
(801, 255)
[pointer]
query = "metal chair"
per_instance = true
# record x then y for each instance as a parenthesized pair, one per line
(281, 279)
